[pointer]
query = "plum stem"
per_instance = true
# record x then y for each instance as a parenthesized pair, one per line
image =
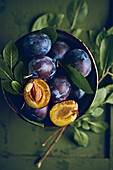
(50, 147)
(30, 75)
(51, 136)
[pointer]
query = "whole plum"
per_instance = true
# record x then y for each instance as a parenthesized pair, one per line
(79, 93)
(58, 50)
(41, 113)
(34, 113)
(35, 45)
(80, 60)
(42, 67)
(60, 89)
(76, 93)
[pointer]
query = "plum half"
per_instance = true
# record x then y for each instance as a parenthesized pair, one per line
(37, 93)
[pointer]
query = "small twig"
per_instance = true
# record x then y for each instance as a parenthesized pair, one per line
(51, 137)
(107, 72)
(102, 77)
(111, 74)
(50, 148)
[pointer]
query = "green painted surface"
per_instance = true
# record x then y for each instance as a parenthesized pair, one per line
(20, 142)
(54, 163)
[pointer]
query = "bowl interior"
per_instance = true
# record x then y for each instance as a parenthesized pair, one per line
(16, 101)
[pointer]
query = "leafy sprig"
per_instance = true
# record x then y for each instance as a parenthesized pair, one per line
(102, 48)
(90, 120)
(11, 70)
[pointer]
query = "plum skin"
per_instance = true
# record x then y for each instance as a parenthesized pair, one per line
(79, 93)
(58, 50)
(42, 67)
(34, 113)
(80, 60)
(35, 45)
(41, 113)
(76, 93)
(60, 89)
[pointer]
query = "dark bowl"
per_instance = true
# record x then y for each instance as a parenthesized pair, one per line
(26, 113)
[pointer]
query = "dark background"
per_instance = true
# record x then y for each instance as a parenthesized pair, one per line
(20, 142)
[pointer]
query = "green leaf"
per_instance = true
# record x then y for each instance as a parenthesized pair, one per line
(85, 125)
(78, 79)
(10, 55)
(109, 88)
(92, 36)
(51, 32)
(20, 72)
(77, 11)
(106, 53)
(76, 123)
(110, 30)
(77, 32)
(48, 19)
(99, 127)
(6, 84)
(81, 138)
(97, 112)
(102, 34)
(28, 120)
(97, 57)
(4, 71)
(88, 118)
(0, 56)
(100, 97)
(17, 87)
(110, 99)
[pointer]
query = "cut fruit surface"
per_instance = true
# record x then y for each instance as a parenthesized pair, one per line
(64, 113)
(37, 93)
